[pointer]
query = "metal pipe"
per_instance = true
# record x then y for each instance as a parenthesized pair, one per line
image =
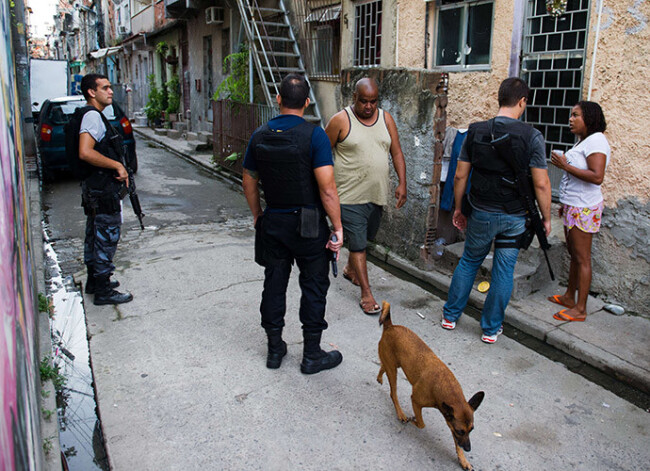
(593, 57)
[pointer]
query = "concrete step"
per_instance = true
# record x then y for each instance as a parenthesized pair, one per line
(191, 136)
(179, 126)
(531, 272)
(173, 133)
(205, 137)
(160, 131)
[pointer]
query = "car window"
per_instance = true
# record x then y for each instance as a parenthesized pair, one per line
(60, 112)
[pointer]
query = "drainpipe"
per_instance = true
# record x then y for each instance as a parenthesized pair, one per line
(515, 41)
(593, 58)
(397, 35)
(250, 75)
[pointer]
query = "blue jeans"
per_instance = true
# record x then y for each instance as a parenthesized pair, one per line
(482, 229)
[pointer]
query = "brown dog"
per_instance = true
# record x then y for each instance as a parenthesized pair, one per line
(434, 385)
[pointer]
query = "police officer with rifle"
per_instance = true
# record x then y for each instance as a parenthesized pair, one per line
(495, 210)
(106, 182)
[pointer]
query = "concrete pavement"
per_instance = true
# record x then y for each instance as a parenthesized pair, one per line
(616, 345)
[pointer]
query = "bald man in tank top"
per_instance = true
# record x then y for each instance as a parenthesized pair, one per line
(363, 137)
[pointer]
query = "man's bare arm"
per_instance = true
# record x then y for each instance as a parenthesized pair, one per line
(460, 185)
(542, 186)
(337, 127)
(250, 180)
(330, 199)
(399, 162)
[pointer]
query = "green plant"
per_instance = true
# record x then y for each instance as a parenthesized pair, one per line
(235, 86)
(161, 48)
(45, 305)
(174, 91)
(50, 371)
(47, 445)
(153, 108)
(47, 413)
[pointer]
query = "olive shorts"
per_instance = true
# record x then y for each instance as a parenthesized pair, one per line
(360, 224)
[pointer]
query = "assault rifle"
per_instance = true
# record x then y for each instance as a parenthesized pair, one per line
(120, 148)
(522, 184)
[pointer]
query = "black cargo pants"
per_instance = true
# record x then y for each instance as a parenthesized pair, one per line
(282, 244)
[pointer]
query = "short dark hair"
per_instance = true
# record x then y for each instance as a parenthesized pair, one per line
(592, 115)
(511, 91)
(294, 90)
(89, 82)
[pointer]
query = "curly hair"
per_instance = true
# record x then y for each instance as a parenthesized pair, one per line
(592, 115)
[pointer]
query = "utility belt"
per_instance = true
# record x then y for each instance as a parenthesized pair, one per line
(310, 220)
(102, 201)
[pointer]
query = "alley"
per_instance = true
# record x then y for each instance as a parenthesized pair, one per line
(180, 374)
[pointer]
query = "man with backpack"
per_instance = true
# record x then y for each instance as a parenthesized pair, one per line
(104, 185)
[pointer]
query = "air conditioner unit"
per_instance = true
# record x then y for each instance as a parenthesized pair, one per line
(123, 29)
(213, 16)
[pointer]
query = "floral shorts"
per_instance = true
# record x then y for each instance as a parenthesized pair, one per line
(585, 219)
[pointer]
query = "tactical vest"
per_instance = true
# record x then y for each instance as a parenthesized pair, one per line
(284, 163)
(492, 178)
(103, 178)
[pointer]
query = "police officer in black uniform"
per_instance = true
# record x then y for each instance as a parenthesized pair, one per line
(102, 190)
(293, 160)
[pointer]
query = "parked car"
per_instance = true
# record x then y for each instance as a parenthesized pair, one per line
(54, 115)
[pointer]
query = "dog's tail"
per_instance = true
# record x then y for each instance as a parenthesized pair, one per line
(384, 319)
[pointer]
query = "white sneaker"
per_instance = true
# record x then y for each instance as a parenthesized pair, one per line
(449, 325)
(492, 338)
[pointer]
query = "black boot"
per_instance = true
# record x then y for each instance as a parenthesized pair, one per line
(277, 348)
(91, 284)
(314, 359)
(104, 294)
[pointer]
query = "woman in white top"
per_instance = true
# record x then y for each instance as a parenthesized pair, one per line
(582, 202)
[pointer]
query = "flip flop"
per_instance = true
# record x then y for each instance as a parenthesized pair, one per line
(562, 316)
(556, 299)
(371, 312)
(349, 278)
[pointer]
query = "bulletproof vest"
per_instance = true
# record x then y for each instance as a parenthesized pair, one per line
(492, 179)
(103, 178)
(284, 163)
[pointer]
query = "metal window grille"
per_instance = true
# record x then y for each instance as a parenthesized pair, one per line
(317, 25)
(553, 66)
(367, 33)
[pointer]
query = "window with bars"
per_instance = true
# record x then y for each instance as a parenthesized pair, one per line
(317, 25)
(553, 66)
(463, 33)
(367, 33)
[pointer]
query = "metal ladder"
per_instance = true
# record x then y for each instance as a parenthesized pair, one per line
(275, 51)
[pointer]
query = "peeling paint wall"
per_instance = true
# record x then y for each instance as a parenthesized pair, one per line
(409, 96)
(197, 31)
(620, 86)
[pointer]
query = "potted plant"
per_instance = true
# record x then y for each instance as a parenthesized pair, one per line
(153, 108)
(173, 98)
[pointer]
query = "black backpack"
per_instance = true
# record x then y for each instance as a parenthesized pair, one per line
(80, 169)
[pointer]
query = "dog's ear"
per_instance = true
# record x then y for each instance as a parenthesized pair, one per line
(447, 411)
(476, 400)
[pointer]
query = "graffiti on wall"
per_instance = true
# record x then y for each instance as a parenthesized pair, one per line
(19, 424)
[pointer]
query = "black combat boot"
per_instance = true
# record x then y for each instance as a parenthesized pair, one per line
(314, 359)
(104, 294)
(277, 348)
(91, 284)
